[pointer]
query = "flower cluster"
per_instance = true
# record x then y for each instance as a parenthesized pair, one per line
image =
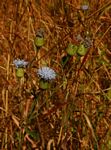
(46, 73)
(20, 63)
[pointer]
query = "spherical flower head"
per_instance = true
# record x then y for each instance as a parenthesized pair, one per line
(20, 63)
(85, 7)
(46, 73)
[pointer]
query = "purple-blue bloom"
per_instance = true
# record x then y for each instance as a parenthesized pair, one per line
(46, 73)
(85, 7)
(20, 63)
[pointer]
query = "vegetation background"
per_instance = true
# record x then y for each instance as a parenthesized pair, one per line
(75, 113)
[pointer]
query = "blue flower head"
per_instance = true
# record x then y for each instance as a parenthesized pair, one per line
(46, 73)
(85, 7)
(20, 63)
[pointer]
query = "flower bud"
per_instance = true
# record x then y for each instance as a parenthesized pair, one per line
(20, 72)
(81, 50)
(44, 84)
(71, 49)
(39, 41)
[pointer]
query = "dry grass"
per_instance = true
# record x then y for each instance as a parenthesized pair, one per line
(75, 113)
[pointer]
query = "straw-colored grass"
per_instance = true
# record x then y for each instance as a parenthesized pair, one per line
(75, 113)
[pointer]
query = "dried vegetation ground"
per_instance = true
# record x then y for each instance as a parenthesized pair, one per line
(75, 113)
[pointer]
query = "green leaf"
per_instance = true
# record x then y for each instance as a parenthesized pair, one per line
(32, 133)
(64, 60)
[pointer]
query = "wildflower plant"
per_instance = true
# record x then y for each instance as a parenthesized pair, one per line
(20, 65)
(46, 74)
